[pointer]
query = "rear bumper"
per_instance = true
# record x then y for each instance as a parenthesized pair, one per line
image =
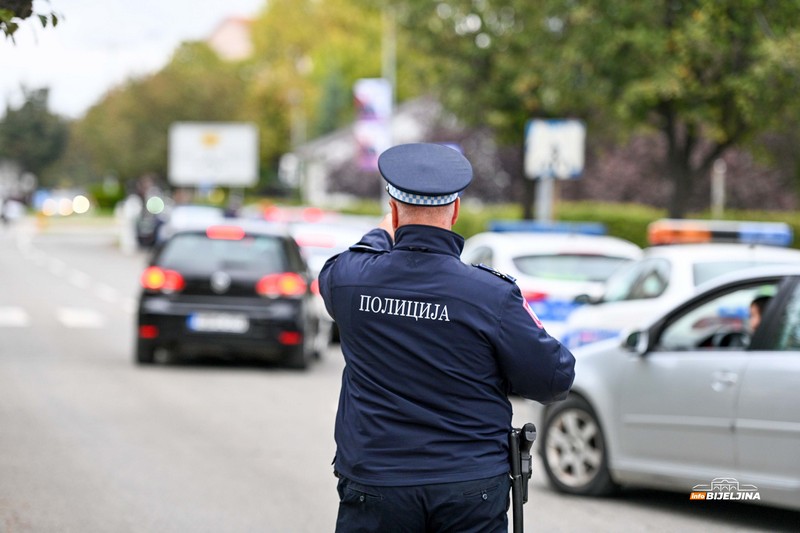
(274, 329)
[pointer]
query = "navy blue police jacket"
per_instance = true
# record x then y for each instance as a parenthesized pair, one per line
(432, 349)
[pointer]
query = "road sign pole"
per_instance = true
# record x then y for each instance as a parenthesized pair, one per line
(544, 199)
(554, 149)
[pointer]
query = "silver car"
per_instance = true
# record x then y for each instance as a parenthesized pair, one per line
(703, 401)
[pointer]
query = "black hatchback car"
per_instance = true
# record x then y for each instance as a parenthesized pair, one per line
(236, 289)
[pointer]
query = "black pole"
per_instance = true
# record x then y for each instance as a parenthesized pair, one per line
(516, 480)
(519, 448)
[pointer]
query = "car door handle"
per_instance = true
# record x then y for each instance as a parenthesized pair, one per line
(723, 379)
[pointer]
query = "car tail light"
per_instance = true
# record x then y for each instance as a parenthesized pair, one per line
(148, 331)
(313, 214)
(158, 279)
(315, 287)
(290, 338)
(287, 284)
(227, 233)
(534, 296)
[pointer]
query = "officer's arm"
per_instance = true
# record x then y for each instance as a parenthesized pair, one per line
(376, 240)
(537, 366)
(325, 283)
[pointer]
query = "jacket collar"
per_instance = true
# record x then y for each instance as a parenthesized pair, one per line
(421, 238)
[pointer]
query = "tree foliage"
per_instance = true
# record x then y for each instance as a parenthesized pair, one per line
(12, 12)
(126, 133)
(297, 84)
(706, 74)
(30, 135)
(309, 54)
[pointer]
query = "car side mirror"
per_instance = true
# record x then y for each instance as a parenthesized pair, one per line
(636, 342)
(584, 299)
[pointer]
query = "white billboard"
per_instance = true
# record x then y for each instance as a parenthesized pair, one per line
(213, 153)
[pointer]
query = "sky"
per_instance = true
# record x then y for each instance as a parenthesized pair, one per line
(98, 45)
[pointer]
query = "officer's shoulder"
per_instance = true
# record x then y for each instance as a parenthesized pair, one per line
(501, 275)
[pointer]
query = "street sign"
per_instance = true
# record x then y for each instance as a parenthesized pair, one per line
(213, 153)
(554, 148)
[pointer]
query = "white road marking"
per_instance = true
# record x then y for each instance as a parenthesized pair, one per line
(72, 317)
(107, 293)
(130, 306)
(57, 267)
(79, 279)
(13, 317)
(80, 317)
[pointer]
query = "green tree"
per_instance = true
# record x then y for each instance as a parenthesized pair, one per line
(31, 135)
(126, 133)
(12, 12)
(706, 74)
(310, 53)
(307, 55)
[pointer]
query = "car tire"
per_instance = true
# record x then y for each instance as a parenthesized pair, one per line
(300, 356)
(573, 449)
(145, 353)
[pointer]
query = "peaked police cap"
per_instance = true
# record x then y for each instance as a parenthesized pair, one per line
(425, 173)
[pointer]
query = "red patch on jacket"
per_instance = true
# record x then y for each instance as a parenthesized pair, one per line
(533, 315)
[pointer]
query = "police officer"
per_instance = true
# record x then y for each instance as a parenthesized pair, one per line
(432, 349)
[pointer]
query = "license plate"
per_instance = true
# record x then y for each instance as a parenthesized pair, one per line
(218, 322)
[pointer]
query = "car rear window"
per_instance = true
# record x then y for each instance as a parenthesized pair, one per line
(195, 252)
(572, 267)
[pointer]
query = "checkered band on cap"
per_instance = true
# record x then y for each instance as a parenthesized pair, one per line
(419, 199)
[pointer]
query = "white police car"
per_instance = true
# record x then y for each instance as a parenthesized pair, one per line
(552, 263)
(686, 253)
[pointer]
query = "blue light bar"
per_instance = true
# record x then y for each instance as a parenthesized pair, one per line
(533, 226)
(771, 233)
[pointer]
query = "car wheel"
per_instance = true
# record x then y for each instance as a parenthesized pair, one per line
(300, 357)
(145, 353)
(573, 449)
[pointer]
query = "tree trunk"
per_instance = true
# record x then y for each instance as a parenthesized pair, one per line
(681, 142)
(528, 198)
(681, 176)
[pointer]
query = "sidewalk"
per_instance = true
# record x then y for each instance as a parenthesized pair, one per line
(70, 224)
(109, 226)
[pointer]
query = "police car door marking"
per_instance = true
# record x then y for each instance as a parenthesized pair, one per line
(406, 308)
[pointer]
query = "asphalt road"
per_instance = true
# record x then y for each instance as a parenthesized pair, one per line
(89, 442)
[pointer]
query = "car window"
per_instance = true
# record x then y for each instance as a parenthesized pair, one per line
(789, 337)
(194, 252)
(719, 323)
(296, 261)
(647, 278)
(481, 254)
(573, 267)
